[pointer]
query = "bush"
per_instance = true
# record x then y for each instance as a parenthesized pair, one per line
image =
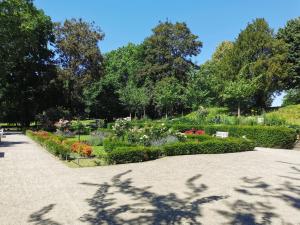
(194, 137)
(81, 149)
(133, 154)
(54, 144)
(113, 143)
(212, 146)
(263, 136)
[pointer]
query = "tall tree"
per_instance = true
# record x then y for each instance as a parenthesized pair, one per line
(134, 98)
(259, 58)
(290, 34)
(168, 51)
(120, 66)
(79, 58)
(168, 93)
(292, 97)
(238, 93)
(25, 60)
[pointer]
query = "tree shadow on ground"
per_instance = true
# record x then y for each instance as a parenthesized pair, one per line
(145, 207)
(261, 211)
(38, 217)
(11, 143)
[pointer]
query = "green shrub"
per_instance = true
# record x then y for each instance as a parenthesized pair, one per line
(56, 145)
(133, 154)
(212, 146)
(263, 136)
(112, 143)
(193, 137)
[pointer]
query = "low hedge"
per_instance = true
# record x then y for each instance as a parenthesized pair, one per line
(212, 146)
(133, 154)
(194, 137)
(263, 136)
(54, 144)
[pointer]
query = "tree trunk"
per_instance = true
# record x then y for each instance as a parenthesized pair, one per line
(144, 112)
(239, 109)
(166, 114)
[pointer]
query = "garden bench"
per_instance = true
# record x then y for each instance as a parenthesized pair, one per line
(221, 134)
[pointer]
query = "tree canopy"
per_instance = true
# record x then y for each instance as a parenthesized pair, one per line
(47, 67)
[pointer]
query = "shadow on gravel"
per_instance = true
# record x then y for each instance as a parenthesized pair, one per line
(145, 207)
(260, 210)
(11, 143)
(38, 217)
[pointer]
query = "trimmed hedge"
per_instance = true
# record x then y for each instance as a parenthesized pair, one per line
(133, 154)
(54, 144)
(209, 146)
(212, 146)
(203, 137)
(263, 136)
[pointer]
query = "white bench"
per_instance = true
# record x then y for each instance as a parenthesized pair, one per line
(222, 134)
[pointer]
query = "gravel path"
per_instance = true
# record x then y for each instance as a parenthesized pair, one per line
(259, 187)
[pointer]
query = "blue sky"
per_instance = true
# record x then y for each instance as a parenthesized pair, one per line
(213, 21)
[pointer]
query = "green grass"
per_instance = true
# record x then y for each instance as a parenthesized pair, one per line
(82, 138)
(291, 114)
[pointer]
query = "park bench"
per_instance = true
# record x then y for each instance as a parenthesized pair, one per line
(221, 134)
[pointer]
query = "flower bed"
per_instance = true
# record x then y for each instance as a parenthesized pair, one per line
(59, 146)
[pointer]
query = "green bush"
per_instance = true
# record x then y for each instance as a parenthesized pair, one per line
(56, 145)
(212, 146)
(194, 137)
(133, 154)
(113, 143)
(263, 136)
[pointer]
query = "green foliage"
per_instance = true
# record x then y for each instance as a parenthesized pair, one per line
(47, 119)
(193, 137)
(290, 114)
(292, 97)
(134, 98)
(79, 58)
(99, 152)
(133, 154)
(112, 143)
(25, 61)
(290, 35)
(263, 136)
(168, 51)
(120, 66)
(251, 69)
(168, 94)
(54, 144)
(212, 146)
(120, 127)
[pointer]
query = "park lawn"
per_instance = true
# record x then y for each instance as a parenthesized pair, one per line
(82, 138)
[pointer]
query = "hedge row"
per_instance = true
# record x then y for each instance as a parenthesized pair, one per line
(194, 137)
(54, 144)
(210, 146)
(263, 136)
(133, 154)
